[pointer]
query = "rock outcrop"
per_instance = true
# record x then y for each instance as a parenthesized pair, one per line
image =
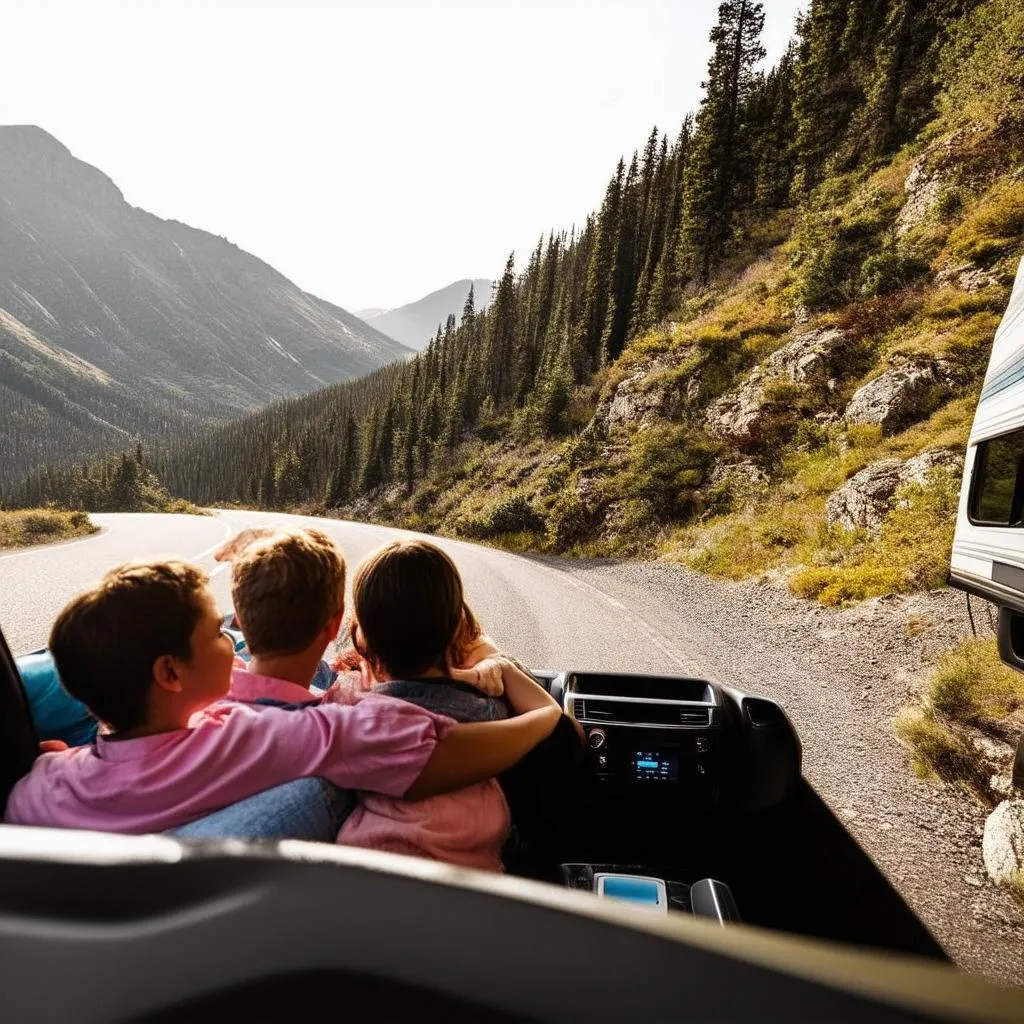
(648, 394)
(926, 181)
(809, 360)
(866, 498)
(899, 396)
(1003, 844)
(967, 277)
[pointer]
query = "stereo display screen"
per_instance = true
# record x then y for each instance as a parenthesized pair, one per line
(654, 766)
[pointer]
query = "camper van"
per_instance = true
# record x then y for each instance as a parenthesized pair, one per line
(988, 547)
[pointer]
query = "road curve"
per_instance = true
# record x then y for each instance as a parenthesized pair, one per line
(545, 616)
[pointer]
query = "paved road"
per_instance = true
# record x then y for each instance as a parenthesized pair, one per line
(842, 676)
(544, 615)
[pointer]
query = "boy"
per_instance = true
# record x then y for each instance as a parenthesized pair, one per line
(288, 591)
(288, 586)
(144, 651)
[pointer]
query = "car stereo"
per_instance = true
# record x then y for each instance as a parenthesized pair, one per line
(648, 731)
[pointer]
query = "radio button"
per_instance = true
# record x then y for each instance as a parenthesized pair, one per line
(597, 739)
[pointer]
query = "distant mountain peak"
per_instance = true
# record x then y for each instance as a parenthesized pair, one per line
(415, 323)
(33, 153)
(115, 322)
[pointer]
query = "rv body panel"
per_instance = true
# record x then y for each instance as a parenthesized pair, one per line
(988, 556)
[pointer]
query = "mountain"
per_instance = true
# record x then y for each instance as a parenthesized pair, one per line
(416, 323)
(115, 323)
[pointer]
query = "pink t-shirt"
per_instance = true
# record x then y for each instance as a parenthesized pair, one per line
(468, 827)
(229, 752)
(247, 687)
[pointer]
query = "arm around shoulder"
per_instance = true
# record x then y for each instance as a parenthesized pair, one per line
(473, 752)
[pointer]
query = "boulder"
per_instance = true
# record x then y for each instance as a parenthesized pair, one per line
(867, 497)
(1003, 844)
(967, 277)
(640, 400)
(899, 396)
(809, 360)
(916, 470)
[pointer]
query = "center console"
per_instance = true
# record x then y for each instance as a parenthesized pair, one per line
(668, 760)
(685, 743)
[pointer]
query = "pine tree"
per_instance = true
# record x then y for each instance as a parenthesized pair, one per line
(711, 171)
(501, 322)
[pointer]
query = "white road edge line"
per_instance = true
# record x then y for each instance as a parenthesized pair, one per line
(227, 529)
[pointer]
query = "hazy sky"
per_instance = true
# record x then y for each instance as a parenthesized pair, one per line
(371, 151)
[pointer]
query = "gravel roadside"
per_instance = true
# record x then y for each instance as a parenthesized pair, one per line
(842, 677)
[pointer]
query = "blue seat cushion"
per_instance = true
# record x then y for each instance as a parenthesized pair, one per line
(55, 713)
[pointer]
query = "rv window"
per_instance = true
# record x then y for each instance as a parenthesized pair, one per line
(999, 483)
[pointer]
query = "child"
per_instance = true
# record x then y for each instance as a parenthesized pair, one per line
(145, 652)
(288, 591)
(233, 549)
(410, 622)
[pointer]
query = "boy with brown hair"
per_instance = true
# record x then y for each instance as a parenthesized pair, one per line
(288, 591)
(145, 651)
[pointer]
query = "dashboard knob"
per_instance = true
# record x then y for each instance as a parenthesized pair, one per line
(597, 739)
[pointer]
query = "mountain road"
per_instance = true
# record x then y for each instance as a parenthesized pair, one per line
(841, 675)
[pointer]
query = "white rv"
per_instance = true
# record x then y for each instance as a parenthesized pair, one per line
(988, 548)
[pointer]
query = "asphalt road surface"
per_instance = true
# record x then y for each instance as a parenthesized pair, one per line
(841, 676)
(546, 617)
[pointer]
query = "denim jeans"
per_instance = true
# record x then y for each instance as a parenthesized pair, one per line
(303, 809)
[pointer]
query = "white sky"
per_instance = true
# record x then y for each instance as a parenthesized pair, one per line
(372, 152)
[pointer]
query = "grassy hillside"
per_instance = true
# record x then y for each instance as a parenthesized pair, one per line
(906, 281)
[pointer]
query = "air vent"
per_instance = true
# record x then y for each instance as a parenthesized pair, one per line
(694, 716)
(641, 713)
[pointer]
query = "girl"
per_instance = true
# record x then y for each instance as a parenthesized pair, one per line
(410, 624)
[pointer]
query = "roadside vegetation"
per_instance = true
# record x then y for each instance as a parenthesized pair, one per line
(965, 727)
(118, 483)
(25, 527)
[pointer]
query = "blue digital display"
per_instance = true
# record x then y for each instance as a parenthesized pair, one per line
(654, 766)
(633, 890)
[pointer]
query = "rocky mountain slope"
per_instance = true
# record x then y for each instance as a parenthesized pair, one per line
(115, 323)
(415, 323)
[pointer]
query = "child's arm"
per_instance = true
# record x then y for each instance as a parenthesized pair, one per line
(473, 752)
(524, 693)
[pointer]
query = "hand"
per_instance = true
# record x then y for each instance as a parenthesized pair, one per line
(234, 546)
(485, 676)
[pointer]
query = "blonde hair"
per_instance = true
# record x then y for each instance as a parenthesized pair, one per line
(285, 589)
